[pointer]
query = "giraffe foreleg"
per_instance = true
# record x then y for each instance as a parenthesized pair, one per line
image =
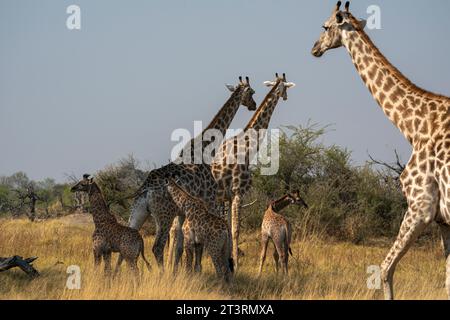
(178, 239)
(235, 226)
(118, 264)
(189, 248)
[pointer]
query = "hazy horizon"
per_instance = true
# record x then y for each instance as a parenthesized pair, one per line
(76, 101)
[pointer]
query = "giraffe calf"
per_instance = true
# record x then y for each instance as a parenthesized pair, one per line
(109, 235)
(203, 229)
(277, 228)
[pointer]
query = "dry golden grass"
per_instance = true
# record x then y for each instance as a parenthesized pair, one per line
(318, 270)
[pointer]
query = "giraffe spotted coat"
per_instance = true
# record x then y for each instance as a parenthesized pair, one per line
(423, 118)
(109, 235)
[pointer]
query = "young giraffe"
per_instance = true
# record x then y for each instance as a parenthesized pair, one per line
(153, 198)
(423, 118)
(234, 178)
(110, 236)
(203, 229)
(276, 227)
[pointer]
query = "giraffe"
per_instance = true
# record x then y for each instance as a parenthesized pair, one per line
(422, 117)
(109, 235)
(276, 227)
(203, 229)
(233, 178)
(153, 197)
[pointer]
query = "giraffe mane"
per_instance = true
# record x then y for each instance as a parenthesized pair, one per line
(395, 72)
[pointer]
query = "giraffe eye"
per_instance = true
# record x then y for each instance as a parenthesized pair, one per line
(326, 28)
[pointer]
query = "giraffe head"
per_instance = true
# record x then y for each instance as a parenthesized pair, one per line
(84, 185)
(247, 93)
(335, 30)
(295, 198)
(281, 85)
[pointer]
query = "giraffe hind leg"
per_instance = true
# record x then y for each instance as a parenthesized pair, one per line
(262, 259)
(118, 264)
(409, 232)
(162, 232)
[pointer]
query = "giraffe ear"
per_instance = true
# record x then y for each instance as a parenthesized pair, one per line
(289, 84)
(362, 24)
(269, 83)
(230, 87)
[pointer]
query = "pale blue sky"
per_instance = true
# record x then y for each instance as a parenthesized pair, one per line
(75, 101)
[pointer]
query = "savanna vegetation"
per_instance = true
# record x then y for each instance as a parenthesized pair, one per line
(354, 213)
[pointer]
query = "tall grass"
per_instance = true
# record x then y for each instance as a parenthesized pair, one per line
(318, 269)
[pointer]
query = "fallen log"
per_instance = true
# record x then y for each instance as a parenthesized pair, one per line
(17, 261)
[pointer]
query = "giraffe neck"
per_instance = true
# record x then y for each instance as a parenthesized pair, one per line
(184, 200)
(225, 116)
(100, 212)
(406, 105)
(221, 122)
(281, 203)
(262, 116)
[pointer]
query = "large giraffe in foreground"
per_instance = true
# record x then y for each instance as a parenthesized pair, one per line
(233, 177)
(153, 197)
(423, 118)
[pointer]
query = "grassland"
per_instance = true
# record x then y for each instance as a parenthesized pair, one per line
(318, 269)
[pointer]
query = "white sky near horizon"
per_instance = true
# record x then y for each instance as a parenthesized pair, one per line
(76, 101)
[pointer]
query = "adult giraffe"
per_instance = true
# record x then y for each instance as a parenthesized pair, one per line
(153, 197)
(233, 177)
(423, 118)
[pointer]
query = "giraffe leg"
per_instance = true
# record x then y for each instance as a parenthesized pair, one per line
(445, 231)
(235, 225)
(97, 257)
(198, 257)
(219, 264)
(409, 231)
(279, 249)
(174, 243)
(189, 250)
(179, 238)
(132, 264)
(107, 261)
(276, 258)
(118, 264)
(162, 232)
(286, 251)
(262, 259)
